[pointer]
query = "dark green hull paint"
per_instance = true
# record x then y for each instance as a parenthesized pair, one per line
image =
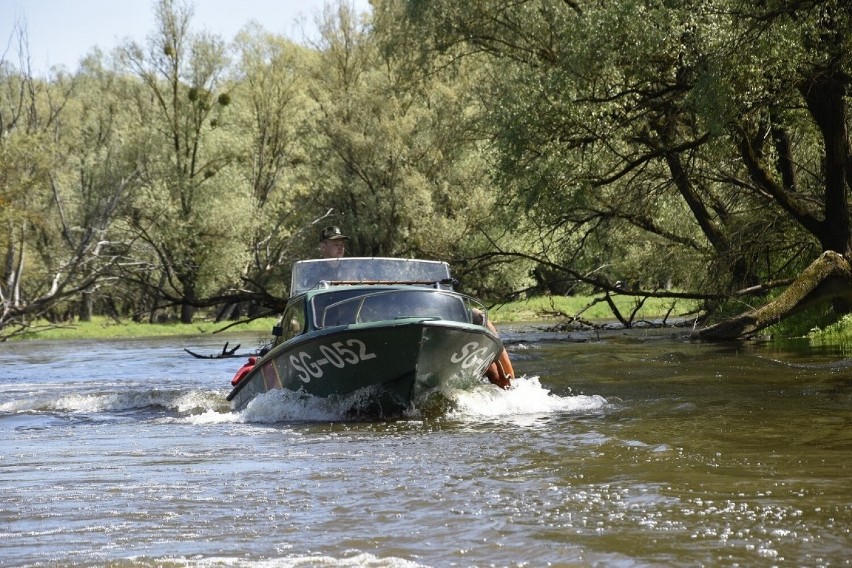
(400, 361)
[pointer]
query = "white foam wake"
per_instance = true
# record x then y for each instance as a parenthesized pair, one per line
(526, 397)
(130, 399)
(474, 400)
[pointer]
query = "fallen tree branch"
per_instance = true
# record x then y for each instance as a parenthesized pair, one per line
(827, 279)
(225, 354)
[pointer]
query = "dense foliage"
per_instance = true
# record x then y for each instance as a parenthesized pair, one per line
(649, 147)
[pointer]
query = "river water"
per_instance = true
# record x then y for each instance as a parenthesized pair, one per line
(639, 450)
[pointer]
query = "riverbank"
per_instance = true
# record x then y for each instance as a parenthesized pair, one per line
(108, 328)
(591, 309)
(550, 310)
(562, 313)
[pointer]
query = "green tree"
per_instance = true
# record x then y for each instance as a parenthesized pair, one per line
(646, 128)
(394, 156)
(191, 187)
(25, 291)
(53, 237)
(98, 177)
(271, 115)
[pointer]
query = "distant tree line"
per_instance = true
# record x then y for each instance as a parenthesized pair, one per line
(644, 147)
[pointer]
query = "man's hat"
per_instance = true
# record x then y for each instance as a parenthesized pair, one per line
(332, 233)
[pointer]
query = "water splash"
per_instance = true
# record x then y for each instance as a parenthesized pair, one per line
(290, 406)
(463, 401)
(477, 400)
(526, 397)
(181, 401)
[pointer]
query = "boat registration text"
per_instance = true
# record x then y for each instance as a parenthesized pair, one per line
(336, 354)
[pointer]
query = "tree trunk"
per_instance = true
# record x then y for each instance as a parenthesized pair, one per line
(187, 311)
(87, 302)
(827, 279)
(825, 96)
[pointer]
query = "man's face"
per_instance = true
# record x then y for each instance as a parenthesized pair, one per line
(333, 248)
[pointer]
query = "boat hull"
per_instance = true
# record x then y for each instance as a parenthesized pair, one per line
(398, 362)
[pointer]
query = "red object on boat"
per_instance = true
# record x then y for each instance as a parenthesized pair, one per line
(244, 370)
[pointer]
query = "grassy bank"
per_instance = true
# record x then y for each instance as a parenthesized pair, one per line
(555, 308)
(838, 333)
(104, 328)
(541, 309)
(551, 308)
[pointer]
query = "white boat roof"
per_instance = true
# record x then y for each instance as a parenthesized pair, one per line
(309, 274)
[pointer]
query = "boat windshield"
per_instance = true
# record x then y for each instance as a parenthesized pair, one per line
(308, 274)
(403, 303)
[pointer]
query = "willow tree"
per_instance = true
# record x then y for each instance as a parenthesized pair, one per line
(271, 112)
(788, 117)
(33, 280)
(52, 229)
(188, 208)
(98, 175)
(359, 148)
(659, 139)
(393, 154)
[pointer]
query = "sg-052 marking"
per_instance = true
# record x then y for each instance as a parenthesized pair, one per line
(336, 354)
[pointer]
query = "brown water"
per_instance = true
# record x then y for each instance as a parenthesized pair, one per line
(619, 451)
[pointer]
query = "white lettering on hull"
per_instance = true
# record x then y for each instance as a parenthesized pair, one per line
(472, 355)
(337, 355)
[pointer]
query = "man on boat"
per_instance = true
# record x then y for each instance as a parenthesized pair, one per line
(332, 242)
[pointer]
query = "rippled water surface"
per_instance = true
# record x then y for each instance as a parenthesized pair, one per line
(619, 451)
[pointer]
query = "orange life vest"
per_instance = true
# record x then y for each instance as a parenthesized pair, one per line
(500, 372)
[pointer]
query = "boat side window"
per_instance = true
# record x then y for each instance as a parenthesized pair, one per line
(293, 320)
(340, 313)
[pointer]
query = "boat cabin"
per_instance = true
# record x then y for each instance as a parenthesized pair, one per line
(321, 273)
(346, 291)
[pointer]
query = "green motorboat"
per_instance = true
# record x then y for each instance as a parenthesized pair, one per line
(392, 329)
